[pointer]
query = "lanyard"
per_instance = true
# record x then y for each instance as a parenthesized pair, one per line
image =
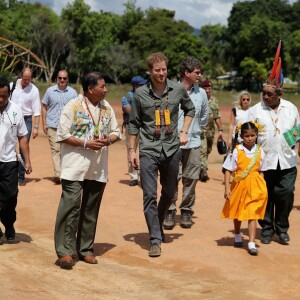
(96, 126)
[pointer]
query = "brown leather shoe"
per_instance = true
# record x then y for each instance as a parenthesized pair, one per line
(66, 262)
(90, 259)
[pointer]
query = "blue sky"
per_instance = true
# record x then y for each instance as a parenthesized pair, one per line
(196, 12)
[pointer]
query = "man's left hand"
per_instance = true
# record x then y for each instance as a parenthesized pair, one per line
(183, 138)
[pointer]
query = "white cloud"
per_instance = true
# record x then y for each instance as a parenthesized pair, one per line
(196, 12)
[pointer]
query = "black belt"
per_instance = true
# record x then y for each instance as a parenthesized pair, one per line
(27, 117)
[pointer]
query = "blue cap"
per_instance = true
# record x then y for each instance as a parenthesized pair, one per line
(138, 80)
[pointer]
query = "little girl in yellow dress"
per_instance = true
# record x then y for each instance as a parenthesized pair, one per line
(246, 198)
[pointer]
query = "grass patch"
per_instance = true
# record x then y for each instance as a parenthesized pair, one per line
(116, 92)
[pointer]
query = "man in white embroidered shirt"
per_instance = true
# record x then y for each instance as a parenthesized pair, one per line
(87, 127)
(277, 116)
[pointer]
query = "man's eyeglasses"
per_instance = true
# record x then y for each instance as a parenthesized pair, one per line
(62, 78)
(197, 72)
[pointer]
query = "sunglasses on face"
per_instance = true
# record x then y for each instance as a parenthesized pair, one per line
(245, 99)
(62, 78)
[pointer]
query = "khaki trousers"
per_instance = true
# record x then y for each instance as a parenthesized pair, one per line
(77, 216)
(55, 151)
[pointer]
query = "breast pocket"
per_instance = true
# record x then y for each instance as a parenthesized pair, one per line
(148, 111)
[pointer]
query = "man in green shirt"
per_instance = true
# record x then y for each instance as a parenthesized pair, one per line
(154, 116)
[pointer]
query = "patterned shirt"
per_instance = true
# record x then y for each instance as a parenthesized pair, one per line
(77, 163)
(56, 99)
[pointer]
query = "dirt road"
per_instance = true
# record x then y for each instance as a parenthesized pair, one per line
(196, 263)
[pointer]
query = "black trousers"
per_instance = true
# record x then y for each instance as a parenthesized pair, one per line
(8, 192)
(168, 167)
(281, 186)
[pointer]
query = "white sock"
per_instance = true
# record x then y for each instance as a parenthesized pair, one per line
(251, 245)
(237, 237)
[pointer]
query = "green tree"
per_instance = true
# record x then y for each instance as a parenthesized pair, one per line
(46, 29)
(213, 38)
(91, 33)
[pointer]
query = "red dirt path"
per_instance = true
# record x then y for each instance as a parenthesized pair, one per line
(196, 263)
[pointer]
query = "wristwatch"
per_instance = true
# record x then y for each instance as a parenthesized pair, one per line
(36, 126)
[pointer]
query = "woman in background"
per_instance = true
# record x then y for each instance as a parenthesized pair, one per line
(239, 114)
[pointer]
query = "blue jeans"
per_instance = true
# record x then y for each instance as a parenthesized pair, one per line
(28, 123)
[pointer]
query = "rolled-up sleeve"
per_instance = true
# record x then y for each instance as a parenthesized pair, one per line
(186, 104)
(36, 103)
(135, 117)
(65, 123)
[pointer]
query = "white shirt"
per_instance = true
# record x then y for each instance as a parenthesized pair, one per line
(78, 164)
(230, 163)
(12, 126)
(28, 99)
(275, 145)
(242, 116)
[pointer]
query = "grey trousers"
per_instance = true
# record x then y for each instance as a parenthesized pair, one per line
(189, 173)
(168, 168)
(77, 215)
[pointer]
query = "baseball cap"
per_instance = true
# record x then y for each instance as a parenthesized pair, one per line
(138, 80)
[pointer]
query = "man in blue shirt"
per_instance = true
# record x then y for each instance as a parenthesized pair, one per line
(190, 73)
(136, 82)
(55, 98)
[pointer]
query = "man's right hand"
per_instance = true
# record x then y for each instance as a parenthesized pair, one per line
(133, 159)
(96, 144)
(45, 129)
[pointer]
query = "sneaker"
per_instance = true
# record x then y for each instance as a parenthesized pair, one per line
(10, 233)
(169, 221)
(154, 250)
(185, 219)
(252, 248)
(133, 183)
(21, 181)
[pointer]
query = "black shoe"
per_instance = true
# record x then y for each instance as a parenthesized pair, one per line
(169, 221)
(203, 176)
(284, 238)
(10, 234)
(185, 219)
(238, 244)
(266, 239)
(1, 235)
(21, 181)
(133, 183)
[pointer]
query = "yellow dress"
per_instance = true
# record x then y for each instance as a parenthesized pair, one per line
(249, 195)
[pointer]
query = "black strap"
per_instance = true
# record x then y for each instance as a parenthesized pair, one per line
(234, 111)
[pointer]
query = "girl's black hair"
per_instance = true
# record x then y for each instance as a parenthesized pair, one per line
(244, 127)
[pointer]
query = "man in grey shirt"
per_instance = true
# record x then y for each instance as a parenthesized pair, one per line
(154, 116)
